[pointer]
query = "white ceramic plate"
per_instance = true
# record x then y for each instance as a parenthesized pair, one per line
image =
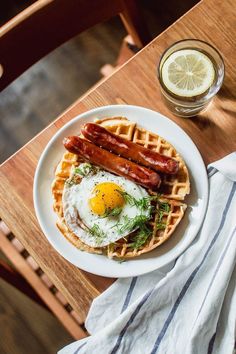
(171, 249)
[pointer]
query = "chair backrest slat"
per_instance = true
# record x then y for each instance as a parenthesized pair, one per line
(47, 24)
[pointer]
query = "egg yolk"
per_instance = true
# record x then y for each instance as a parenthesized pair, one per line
(106, 196)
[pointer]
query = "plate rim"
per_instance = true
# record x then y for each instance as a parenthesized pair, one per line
(44, 153)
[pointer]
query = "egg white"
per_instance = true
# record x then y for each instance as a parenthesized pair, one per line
(79, 217)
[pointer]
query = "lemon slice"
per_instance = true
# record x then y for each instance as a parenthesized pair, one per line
(188, 73)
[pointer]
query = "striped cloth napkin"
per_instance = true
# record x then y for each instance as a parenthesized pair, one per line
(187, 307)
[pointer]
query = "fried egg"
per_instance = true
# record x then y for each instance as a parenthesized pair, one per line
(100, 207)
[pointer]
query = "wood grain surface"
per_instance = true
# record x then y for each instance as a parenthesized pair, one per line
(135, 83)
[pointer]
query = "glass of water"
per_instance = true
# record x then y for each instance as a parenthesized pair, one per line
(190, 73)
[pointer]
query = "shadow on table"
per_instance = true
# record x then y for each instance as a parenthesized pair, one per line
(228, 99)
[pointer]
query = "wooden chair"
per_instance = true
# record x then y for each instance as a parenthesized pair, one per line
(47, 24)
(29, 278)
(24, 40)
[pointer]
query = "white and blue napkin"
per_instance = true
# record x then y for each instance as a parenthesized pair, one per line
(187, 307)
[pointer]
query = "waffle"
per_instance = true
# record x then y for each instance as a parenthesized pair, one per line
(62, 173)
(172, 186)
(122, 249)
(173, 191)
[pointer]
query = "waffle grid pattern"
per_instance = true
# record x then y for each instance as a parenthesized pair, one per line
(173, 187)
(174, 190)
(172, 219)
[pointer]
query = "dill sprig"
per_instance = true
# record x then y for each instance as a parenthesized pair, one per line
(84, 169)
(112, 212)
(127, 197)
(72, 180)
(160, 226)
(80, 171)
(97, 233)
(130, 224)
(141, 236)
(143, 203)
(138, 222)
(163, 208)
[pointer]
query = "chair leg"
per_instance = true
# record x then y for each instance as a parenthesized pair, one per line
(134, 23)
(127, 51)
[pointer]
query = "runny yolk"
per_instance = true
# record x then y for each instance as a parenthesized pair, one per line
(106, 196)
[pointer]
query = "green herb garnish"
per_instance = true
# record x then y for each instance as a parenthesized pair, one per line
(143, 203)
(97, 233)
(129, 224)
(127, 197)
(163, 208)
(141, 237)
(112, 212)
(138, 222)
(84, 169)
(160, 226)
(71, 181)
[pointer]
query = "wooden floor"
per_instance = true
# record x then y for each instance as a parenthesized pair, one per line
(26, 327)
(26, 107)
(50, 86)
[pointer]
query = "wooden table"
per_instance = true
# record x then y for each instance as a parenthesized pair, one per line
(214, 132)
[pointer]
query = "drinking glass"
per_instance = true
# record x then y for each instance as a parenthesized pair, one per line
(190, 106)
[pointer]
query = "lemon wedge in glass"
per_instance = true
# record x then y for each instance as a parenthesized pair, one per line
(188, 73)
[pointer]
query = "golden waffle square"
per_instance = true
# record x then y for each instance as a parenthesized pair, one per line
(173, 191)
